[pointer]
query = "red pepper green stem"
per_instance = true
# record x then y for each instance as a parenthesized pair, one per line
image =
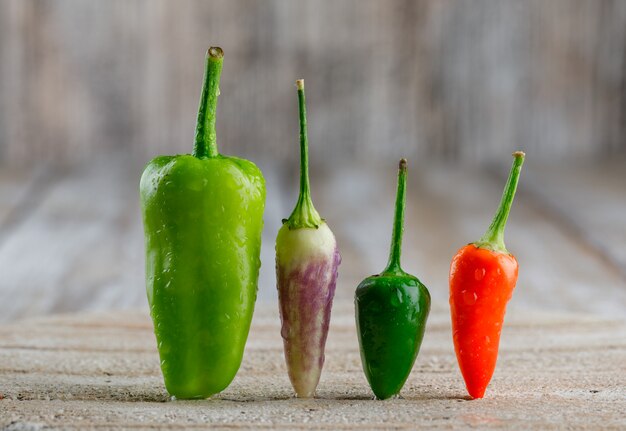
(393, 265)
(206, 143)
(493, 239)
(304, 214)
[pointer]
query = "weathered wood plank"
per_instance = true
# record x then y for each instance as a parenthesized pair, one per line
(454, 80)
(588, 201)
(449, 206)
(20, 191)
(74, 249)
(101, 371)
(80, 247)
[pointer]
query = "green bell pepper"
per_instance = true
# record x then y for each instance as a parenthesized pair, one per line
(391, 311)
(203, 216)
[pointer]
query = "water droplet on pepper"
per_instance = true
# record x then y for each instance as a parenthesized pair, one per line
(469, 297)
(479, 274)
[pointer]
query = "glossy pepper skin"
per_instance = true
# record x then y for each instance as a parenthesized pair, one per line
(391, 311)
(307, 261)
(203, 216)
(482, 279)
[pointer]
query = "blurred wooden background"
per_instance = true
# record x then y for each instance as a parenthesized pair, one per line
(90, 91)
(461, 80)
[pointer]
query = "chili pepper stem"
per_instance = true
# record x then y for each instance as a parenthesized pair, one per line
(493, 239)
(304, 214)
(395, 250)
(205, 145)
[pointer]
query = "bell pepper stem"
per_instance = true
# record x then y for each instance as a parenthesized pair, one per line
(493, 239)
(304, 214)
(393, 265)
(206, 142)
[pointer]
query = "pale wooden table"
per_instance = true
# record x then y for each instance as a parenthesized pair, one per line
(101, 371)
(72, 242)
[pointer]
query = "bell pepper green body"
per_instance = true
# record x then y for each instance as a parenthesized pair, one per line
(391, 311)
(203, 216)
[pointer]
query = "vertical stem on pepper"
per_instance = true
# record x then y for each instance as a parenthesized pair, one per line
(305, 188)
(493, 239)
(398, 221)
(206, 141)
(304, 214)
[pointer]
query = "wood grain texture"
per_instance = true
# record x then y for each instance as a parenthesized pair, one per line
(467, 80)
(74, 244)
(72, 240)
(578, 196)
(449, 206)
(556, 371)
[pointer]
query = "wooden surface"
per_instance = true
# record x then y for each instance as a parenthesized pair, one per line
(555, 371)
(456, 80)
(72, 240)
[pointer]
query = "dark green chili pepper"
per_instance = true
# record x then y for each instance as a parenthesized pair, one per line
(391, 312)
(203, 216)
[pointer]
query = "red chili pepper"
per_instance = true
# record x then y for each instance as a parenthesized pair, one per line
(482, 278)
